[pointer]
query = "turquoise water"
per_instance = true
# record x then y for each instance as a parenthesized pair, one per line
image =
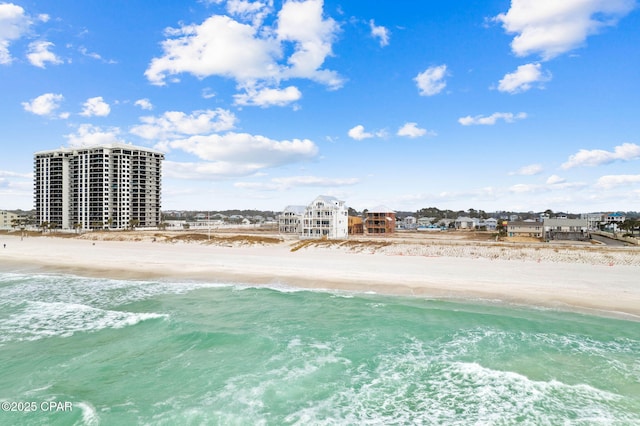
(116, 352)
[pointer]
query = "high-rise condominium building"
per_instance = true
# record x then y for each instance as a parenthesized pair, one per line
(108, 186)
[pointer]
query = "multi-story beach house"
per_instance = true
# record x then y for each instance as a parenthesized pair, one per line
(114, 186)
(325, 217)
(380, 220)
(290, 220)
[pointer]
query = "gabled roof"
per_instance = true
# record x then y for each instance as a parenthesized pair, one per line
(380, 209)
(294, 209)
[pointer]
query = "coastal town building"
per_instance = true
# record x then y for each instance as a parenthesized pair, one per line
(7, 219)
(594, 220)
(380, 220)
(523, 228)
(566, 229)
(464, 222)
(114, 186)
(355, 226)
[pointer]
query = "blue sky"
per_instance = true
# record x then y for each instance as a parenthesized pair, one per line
(494, 105)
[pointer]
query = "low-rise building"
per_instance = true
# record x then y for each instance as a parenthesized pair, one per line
(7, 219)
(566, 229)
(520, 228)
(464, 222)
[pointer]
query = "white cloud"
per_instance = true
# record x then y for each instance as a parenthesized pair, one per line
(90, 135)
(431, 81)
(551, 28)
(207, 170)
(611, 181)
(508, 117)
(14, 23)
(255, 56)
(219, 46)
(522, 188)
(96, 107)
(177, 124)
(358, 133)
(238, 154)
(596, 157)
(45, 105)
(144, 104)
(85, 52)
(411, 130)
(523, 78)
(530, 170)
(380, 33)
(279, 184)
(302, 24)
(39, 54)
(555, 180)
(267, 97)
(253, 11)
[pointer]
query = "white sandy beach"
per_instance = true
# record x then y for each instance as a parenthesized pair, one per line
(602, 281)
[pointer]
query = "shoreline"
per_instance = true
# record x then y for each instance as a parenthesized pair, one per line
(602, 282)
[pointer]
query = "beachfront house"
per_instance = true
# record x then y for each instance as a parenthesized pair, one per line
(290, 220)
(380, 220)
(566, 229)
(525, 228)
(325, 217)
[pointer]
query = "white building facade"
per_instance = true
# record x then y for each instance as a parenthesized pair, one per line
(290, 220)
(326, 217)
(108, 186)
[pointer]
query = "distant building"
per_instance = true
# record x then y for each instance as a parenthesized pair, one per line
(380, 220)
(409, 222)
(593, 220)
(7, 219)
(464, 222)
(489, 224)
(615, 218)
(106, 186)
(525, 229)
(566, 229)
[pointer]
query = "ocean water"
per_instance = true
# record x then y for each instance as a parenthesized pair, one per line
(86, 351)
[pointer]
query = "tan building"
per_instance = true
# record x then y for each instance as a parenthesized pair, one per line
(7, 219)
(356, 225)
(525, 229)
